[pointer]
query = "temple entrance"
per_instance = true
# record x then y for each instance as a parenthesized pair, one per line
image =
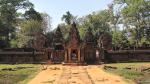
(49, 55)
(90, 58)
(57, 56)
(74, 55)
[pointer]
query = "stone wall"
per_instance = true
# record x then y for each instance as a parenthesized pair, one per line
(58, 56)
(127, 56)
(41, 57)
(21, 57)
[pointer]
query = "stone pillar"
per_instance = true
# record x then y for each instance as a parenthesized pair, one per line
(82, 55)
(52, 56)
(66, 55)
(79, 56)
(97, 55)
(69, 54)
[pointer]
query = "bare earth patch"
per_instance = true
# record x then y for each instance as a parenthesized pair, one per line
(57, 74)
(47, 76)
(101, 77)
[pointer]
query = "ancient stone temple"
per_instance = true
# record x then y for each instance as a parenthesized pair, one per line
(73, 47)
(105, 41)
(57, 54)
(39, 42)
(89, 47)
(74, 50)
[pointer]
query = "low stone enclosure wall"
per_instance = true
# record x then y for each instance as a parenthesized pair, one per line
(128, 56)
(21, 57)
(30, 56)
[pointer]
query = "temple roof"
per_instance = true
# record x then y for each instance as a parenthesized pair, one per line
(58, 37)
(89, 37)
(58, 40)
(74, 38)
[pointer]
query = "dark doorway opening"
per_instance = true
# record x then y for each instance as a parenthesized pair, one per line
(74, 55)
(90, 58)
(49, 55)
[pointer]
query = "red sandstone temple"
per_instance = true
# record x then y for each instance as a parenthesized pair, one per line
(74, 50)
(92, 49)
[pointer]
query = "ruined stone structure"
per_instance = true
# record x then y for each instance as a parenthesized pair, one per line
(57, 52)
(73, 47)
(74, 51)
(105, 41)
(39, 42)
(89, 48)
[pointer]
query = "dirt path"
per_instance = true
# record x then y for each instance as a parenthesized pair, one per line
(47, 76)
(74, 75)
(57, 74)
(101, 77)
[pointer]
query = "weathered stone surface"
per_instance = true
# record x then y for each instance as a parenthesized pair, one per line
(74, 75)
(105, 41)
(74, 38)
(89, 37)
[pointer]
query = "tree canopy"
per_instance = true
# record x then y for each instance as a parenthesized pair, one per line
(126, 21)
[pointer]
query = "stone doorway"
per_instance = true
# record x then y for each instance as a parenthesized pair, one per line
(74, 55)
(90, 58)
(49, 55)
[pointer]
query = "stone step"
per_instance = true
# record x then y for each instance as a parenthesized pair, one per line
(73, 64)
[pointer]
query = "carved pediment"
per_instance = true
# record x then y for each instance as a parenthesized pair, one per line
(74, 38)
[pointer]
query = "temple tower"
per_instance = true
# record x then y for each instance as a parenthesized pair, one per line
(74, 38)
(58, 48)
(72, 53)
(89, 50)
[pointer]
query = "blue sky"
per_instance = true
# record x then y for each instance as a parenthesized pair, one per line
(56, 8)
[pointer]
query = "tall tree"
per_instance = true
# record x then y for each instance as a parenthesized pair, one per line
(28, 32)
(8, 14)
(46, 22)
(136, 15)
(68, 17)
(32, 14)
(115, 17)
(98, 21)
(65, 30)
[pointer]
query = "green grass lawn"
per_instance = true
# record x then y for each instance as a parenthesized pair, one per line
(137, 72)
(17, 74)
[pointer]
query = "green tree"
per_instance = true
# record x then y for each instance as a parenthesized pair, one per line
(46, 22)
(98, 21)
(9, 15)
(68, 17)
(120, 40)
(31, 14)
(29, 30)
(65, 30)
(135, 14)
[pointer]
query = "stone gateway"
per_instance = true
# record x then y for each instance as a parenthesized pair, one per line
(74, 50)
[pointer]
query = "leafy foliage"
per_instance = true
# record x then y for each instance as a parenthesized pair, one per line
(68, 17)
(9, 15)
(127, 21)
(29, 29)
(135, 14)
(32, 14)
